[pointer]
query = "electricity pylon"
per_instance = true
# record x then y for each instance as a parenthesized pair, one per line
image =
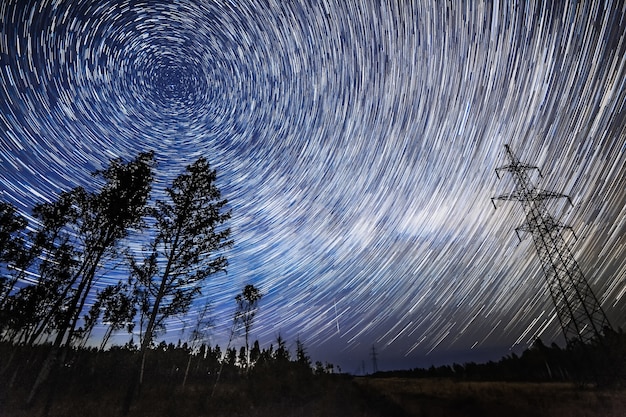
(374, 360)
(578, 309)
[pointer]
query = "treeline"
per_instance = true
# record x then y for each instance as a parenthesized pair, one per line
(178, 364)
(204, 379)
(601, 362)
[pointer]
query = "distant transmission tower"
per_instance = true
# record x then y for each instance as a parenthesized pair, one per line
(374, 360)
(578, 310)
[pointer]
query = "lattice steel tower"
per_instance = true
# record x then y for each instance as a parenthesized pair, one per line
(577, 308)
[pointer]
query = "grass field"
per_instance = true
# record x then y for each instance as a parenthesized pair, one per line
(342, 396)
(449, 398)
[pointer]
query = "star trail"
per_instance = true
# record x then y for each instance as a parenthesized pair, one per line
(356, 142)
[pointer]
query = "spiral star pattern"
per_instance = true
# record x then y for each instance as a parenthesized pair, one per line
(356, 142)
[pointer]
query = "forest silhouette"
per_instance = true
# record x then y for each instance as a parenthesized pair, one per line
(52, 363)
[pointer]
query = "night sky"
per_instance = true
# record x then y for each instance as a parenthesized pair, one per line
(356, 141)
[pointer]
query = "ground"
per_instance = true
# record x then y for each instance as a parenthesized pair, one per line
(342, 396)
(445, 397)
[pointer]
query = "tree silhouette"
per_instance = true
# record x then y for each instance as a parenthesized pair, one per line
(186, 249)
(15, 257)
(80, 232)
(302, 358)
(119, 310)
(247, 303)
(281, 354)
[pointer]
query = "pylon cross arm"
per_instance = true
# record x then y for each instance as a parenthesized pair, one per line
(518, 167)
(545, 195)
(515, 196)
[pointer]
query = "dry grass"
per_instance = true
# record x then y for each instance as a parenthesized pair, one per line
(443, 397)
(345, 397)
(322, 397)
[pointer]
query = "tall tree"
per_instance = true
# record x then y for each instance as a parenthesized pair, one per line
(80, 232)
(15, 254)
(11, 224)
(189, 239)
(58, 267)
(247, 304)
(83, 229)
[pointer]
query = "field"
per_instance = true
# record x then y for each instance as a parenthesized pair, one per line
(346, 396)
(444, 397)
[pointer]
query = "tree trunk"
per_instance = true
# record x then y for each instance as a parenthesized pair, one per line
(186, 371)
(51, 362)
(147, 339)
(107, 336)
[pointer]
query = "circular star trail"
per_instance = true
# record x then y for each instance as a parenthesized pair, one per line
(356, 142)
